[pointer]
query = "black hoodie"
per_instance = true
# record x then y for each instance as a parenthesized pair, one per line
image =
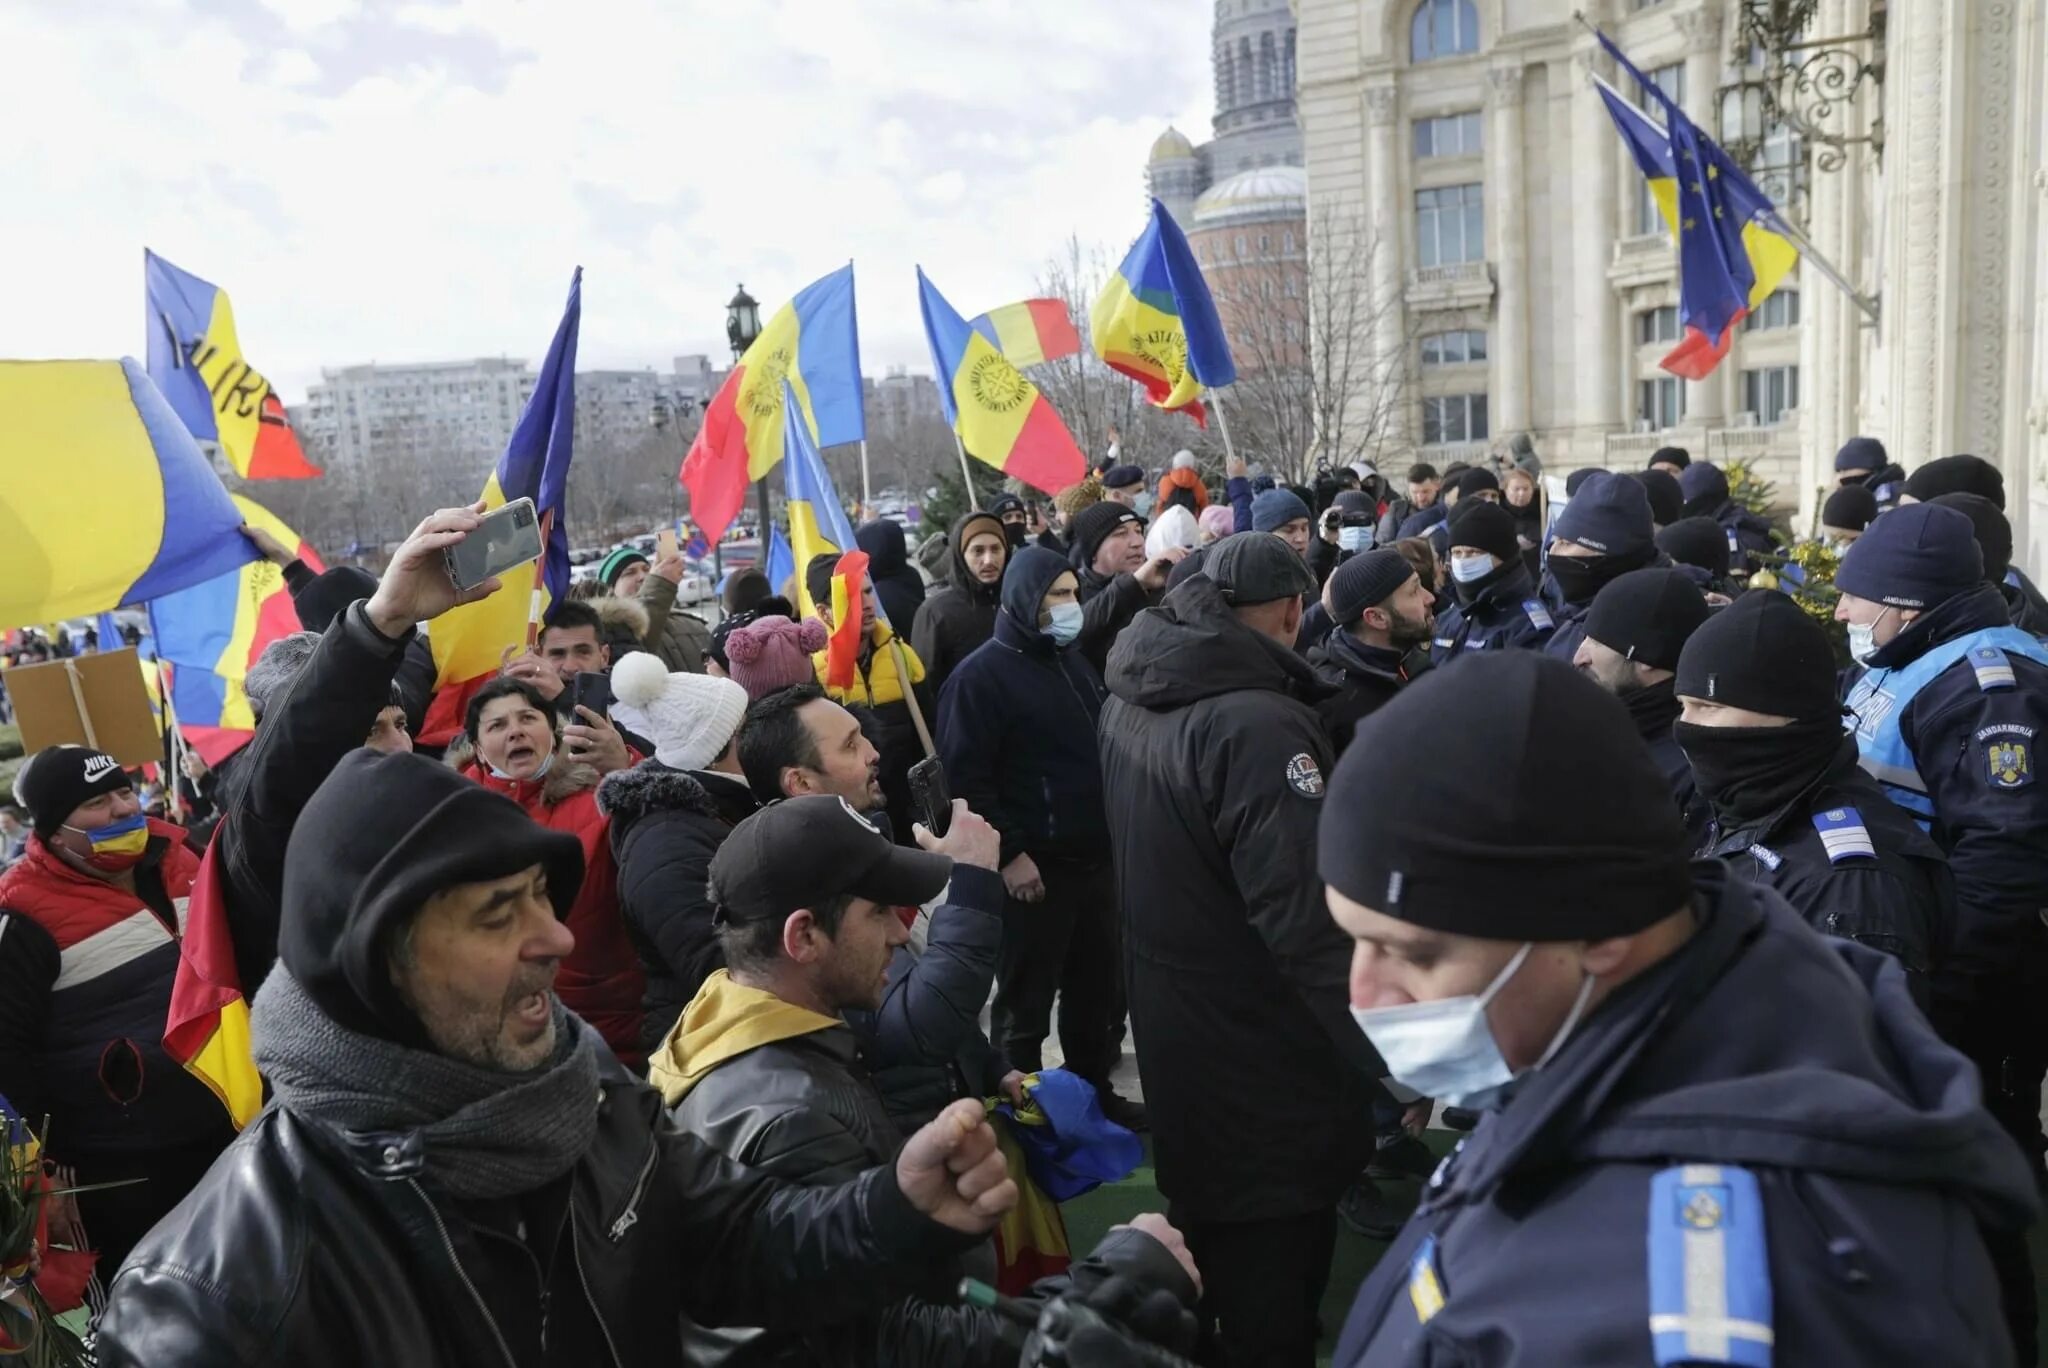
(961, 614)
(1213, 767)
(900, 587)
(1017, 727)
(1759, 1044)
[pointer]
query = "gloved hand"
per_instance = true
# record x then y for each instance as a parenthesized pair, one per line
(1119, 1322)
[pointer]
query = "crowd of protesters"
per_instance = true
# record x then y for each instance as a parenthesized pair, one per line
(661, 1022)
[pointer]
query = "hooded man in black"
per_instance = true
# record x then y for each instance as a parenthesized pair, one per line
(897, 583)
(1256, 1081)
(1634, 633)
(1017, 725)
(1699, 547)
(1863, 461)
(453, 1165)
(961, 614)
(1707, 496)
(1791, 808)
(1710, 1134)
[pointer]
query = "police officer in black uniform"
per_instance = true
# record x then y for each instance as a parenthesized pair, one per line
(1764, 733)
(1602, 534)
(1709, 1134)
(1380, 641)
(1634, 633)
(1496, 605)
(1950, 713)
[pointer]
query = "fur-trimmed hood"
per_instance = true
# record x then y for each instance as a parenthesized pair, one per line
(565, 778)
(622, 616)
(629, 794)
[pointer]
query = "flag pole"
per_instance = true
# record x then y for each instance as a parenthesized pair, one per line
(966, 472)
(1223, 425)
(867, 495)
(1776, 221)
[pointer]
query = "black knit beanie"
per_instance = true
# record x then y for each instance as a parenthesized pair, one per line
(1667, 504)
(1762, 652)
(1851, 508)
(1576, 481)
(1486, 526)
(1862, 453)
(1505, 859)
(1092, 526)
(1475, 480)
(1611, 515)
(1646, 615)
(1366, 581)
(1677, 456)
(1697, 541)
(1994, 532)
(1917, 556)
(322, 600)
(1705, 487)
(1957, 475)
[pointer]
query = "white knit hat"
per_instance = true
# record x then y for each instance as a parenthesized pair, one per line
(688, 717)
(1183, 459)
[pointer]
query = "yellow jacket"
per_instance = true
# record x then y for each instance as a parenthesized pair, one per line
(877, 682)
(723, 1022)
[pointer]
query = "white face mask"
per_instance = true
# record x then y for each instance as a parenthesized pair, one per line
(1354, 538)
(1863, 639)
(1465, 569)
(1065, 624)
(1446, 1050)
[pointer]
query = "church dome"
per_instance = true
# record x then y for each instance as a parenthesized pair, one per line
(1172, 145)
(1264, 192)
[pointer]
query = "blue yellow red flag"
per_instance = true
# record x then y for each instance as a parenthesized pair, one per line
(196, 360)
(818, 524)
(842, 648)
(809, 348)
(207, 1026)
(105, 499)
(1001, 417)
(1030, 331)
(1155, 321)
(1733, 249)
(470, 642)
(213, 632)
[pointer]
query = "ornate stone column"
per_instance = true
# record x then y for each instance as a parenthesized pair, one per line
(1508, 233)
(1385, 213)
(1597, 330)
(1706, 401)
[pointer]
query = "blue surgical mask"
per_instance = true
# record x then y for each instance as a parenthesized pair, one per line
(1065, 624)
(1465, 569)
(1445, 1049)
(1143, 506)
(1354, 538)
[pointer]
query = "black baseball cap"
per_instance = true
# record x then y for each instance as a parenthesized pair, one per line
(803, 852)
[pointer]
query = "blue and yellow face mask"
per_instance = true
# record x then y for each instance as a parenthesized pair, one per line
(118, 845)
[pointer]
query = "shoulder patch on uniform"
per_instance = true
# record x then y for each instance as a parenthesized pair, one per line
(1710, 1270)
(2008, 761)
(1767, 857)
(1539, 616)
(1445, 643)
(1425, 1283)
(1734, 542)
(1843, 833)
(1305, 776)
(1994, 671)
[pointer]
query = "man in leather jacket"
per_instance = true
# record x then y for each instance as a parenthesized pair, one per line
(453, 1170)
(763, 1067)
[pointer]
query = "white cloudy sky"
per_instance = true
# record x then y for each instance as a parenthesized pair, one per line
(414, 179)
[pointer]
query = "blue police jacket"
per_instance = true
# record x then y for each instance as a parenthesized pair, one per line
(1504, 612)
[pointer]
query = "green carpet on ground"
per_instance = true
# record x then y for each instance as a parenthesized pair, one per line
(1090, 1216)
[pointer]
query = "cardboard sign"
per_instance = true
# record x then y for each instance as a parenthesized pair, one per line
(91, 700)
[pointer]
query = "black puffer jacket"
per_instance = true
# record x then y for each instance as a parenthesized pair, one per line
(666, 825)
(900, 587)
(1107, 606)
(314, 1247)
(1365, 678)
(1213, 766)
(958, 617)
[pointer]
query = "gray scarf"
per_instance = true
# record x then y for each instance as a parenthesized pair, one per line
(488, 1133)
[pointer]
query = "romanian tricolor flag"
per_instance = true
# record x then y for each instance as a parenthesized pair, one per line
(1733, 250)
(213, 632)
(818, 524)
(106, 498)
(207, 1027)
(1001, 417)
(196, 360)
(809, 348)
(1030, 331)
(470, 642)
(1155, 321)
(842, 649)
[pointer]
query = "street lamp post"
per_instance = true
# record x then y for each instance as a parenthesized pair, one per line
(742, 327)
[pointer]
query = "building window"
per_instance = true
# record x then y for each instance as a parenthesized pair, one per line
(1287, 241)
(1268, 59)
(1771, 392)
(1649, 216)
(1660, 403)
(1265, 243)
(1453, 418)
(1450, 225)
(1669, 79)
(1293, 288)
(1443, 28)
(1451, 135)
(1780, 310)
(1657, 325)
(1453, 348)
(1240, 246)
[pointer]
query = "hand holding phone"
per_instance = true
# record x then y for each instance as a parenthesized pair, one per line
(928, 790)
(503, 538)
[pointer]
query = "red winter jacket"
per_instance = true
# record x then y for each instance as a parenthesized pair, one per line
(601, 981)
(86, 969)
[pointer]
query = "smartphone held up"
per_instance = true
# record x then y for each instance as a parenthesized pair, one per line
(506, 537)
